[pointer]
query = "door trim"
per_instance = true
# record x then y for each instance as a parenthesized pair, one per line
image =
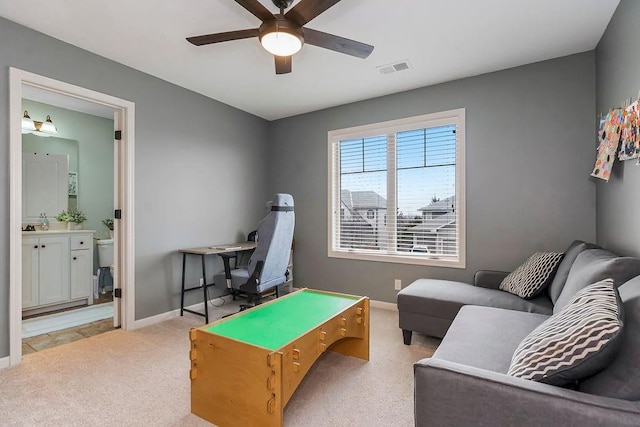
(124, 118)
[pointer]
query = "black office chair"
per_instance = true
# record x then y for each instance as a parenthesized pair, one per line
(267, 267)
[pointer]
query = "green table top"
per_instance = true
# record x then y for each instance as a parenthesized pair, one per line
(275, 324)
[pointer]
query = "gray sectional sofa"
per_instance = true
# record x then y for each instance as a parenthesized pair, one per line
(466, 381)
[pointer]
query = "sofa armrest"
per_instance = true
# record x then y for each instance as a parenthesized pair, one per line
(448, 394)
(489, 278)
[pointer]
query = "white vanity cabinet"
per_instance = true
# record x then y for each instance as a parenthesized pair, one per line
(81, 267)
(56, 269)
(45, 270)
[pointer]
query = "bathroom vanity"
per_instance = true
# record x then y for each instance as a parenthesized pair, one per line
(56, 269)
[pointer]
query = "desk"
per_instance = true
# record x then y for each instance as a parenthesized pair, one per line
(245, 368)
(203, 252)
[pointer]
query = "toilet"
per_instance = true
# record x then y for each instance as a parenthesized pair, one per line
(105, 260)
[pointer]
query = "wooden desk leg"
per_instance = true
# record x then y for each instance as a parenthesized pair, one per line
(204, 291)
(184, 262)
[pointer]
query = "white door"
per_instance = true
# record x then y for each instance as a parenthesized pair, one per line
(54, 269)
(30, 248)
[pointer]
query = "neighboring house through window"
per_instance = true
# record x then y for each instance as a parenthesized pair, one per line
(397, 191)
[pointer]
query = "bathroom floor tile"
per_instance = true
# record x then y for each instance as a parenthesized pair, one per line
(27, 349)
(95, 328)
(53, 339)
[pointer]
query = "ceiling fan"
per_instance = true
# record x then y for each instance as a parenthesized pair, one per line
(284, 34)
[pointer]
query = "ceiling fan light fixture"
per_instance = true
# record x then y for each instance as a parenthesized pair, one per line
(281, 38)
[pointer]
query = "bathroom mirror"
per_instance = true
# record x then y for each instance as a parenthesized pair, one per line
(35, 200)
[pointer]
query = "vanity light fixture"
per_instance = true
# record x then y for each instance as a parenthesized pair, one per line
(46, 128)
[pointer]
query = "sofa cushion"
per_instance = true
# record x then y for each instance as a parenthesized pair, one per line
(533, 276)
(593, 265)
(477, 337)
(621, 379)
(559, 279)
(575, 343)
(444, 298)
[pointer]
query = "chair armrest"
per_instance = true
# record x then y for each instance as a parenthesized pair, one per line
(448, 393)
(489, 278)
(251, 286)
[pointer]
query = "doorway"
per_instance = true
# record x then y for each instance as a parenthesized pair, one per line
(76, 164)
(123, 119)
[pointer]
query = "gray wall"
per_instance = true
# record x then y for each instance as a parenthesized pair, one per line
(200, 167)
(529, 154)
(618, 65)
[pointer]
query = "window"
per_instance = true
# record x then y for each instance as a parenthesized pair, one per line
(397, 191)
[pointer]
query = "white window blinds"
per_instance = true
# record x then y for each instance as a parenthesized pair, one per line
(396, 191)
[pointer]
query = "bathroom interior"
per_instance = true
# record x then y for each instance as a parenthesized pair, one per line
(67, 266)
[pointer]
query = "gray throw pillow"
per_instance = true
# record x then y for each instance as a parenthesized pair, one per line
(532, 277)
(570, 255)
(575, 343)
(593, 265)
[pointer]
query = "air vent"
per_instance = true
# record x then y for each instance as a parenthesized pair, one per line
(392, 68)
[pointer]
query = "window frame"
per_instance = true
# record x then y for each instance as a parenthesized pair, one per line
(455, 117)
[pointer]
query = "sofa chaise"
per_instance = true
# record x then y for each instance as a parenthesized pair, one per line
(468, 380)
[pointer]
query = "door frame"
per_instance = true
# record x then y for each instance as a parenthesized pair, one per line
(124, 120)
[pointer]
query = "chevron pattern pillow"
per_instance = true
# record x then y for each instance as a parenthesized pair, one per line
(532, 277)
(576, 342)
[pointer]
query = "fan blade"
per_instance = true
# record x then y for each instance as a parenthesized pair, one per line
(222, 37)
(306, 10)
(339, 44)
(257, 9)
(283, 64)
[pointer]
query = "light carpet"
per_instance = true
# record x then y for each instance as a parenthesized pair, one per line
(141, 378)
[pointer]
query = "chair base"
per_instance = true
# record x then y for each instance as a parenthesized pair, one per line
(252, 299)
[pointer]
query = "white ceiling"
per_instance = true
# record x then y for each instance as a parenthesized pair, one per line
(443, 40)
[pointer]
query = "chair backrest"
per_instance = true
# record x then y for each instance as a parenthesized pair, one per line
(275, 235)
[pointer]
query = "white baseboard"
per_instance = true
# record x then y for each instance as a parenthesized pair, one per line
(383, 305)
(159, 318)
(5, 362)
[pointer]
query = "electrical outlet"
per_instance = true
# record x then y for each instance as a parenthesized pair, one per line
(201, 281)
(398, 284)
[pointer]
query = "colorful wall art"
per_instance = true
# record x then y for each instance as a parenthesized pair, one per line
(609, 136)
(629, 135)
